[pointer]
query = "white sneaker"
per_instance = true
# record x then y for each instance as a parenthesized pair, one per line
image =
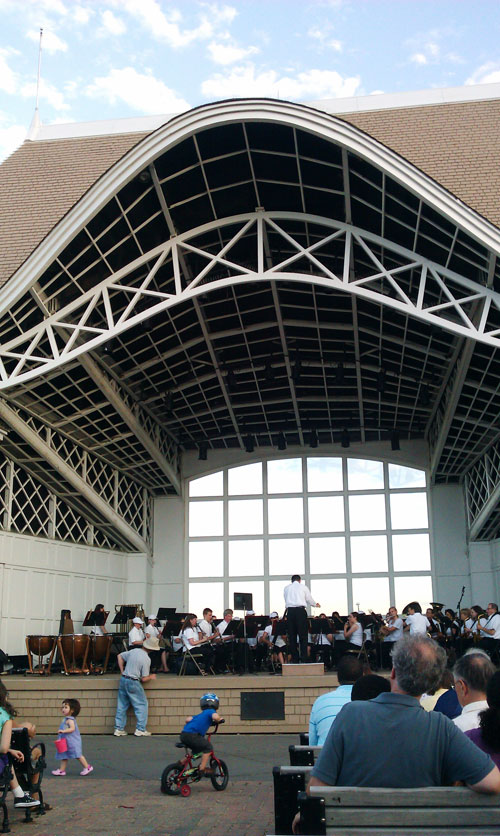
(120, 733)
(139, 733)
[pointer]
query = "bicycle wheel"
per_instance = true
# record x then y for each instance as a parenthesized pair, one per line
(220, 777)
(169, 777)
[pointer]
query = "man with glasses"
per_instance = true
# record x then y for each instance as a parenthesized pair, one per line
(472, 673)
(490, 631)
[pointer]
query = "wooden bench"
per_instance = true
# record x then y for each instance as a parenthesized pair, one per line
(427, 811)
(303, 755)
(288, 782)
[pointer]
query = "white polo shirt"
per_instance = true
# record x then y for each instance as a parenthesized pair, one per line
(492, 623)
(296, 594)
(469, 718)
(136, 635)
(397, 633)
(418, 624)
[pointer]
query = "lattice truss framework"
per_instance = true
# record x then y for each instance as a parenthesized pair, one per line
(339, 255)
(56, 508)
(28, 507)
(352, 308)
(482, 488)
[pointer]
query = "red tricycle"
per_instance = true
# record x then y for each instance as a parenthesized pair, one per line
(176, 777)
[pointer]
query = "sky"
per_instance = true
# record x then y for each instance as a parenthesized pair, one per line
(123, 58)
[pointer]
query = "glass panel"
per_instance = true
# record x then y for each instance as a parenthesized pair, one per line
(364, 475)
(286, 557)
(405, 477)
(324, 474)
(210, 485)
(245, 479)
(370, 594)
(409, 510)
(331, 593)
(276, 599)
(257, 590)
(411, 552)
(284, 476)
(327, 555)
(205, 594)
(326, 513)
(206, 519)
(413, 589)
(245, 516)
(206, 560)
(246, 557)
(286, 516)
(369, 554)
(367, 513)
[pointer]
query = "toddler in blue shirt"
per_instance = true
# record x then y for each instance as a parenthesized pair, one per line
(193, 733)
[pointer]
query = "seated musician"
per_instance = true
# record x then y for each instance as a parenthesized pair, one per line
(153, 631)
(205, 624)
(99, 628)
(276, 645)
(224, 647)
(452, 627)
(390, 632)
(353, 632)
(322, 645)
(489, 630)
(192, 637)
(339, 642)
(465, 631)
(136, 635)
(434, 627)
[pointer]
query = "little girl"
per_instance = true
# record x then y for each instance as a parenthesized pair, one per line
(21, 799)
(71, 709)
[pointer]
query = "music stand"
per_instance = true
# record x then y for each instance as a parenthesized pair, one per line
(165, 613)
(244, 601)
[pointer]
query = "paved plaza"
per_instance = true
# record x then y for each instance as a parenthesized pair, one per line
(122, 796)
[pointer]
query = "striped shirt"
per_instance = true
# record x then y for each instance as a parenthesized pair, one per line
(324, 711)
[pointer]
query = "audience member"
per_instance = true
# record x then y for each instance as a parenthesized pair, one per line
(327, 706)
(472, 673)
(448, 703)
(365, 745)
(370, 686)
(428, 701)
(487, 736)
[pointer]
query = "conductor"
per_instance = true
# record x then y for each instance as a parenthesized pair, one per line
(296, 598)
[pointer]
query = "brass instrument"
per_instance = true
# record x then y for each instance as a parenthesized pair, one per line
(477, 628)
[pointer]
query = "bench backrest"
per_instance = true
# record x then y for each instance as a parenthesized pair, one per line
(288, 782)
(438, 810)
(303, 755)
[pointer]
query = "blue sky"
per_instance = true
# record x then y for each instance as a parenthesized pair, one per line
(139, 57)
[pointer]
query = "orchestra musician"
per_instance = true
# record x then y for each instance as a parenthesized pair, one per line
(322, 643)
(205, 624)
(478, 619)
(276, 645)
(415, 623)
(353, 632)
(136, 635)
(339, 642)
(152, 631)
(224, 647)
(390, 632)
(434, 628)
(99, 628)
(490, 631)
(192, 637)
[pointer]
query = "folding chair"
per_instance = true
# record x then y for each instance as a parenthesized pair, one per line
(193, 657)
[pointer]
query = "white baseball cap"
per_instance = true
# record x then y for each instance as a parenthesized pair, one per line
(137, 620)
(273, 614)
(150, 617)
(250, 612)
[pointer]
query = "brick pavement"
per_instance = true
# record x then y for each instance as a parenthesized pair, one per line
(122, 796)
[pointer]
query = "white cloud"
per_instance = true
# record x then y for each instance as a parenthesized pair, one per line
(50, 41)
(165, 27)
(142, 92)
(48, 92)
(488, 73)
(8, 78)
(11, 137)
(222, 54)
(418, 58)
(81, 14)
(112, 24)
(321, 34)
(220, 14)
(313, 84)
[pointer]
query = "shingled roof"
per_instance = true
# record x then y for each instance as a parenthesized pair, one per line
(458, 144)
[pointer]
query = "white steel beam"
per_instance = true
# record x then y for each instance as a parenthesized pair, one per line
(57, 462)
(440, 290)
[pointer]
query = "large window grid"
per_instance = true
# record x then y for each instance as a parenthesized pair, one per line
(364, 543)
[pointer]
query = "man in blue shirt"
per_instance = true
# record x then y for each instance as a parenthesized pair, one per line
(328, 705)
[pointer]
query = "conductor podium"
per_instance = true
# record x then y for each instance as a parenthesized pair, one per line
(306, 669)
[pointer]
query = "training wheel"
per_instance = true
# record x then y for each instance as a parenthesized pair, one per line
(185, 790)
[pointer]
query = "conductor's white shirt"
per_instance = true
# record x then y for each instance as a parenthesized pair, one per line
(297, 595)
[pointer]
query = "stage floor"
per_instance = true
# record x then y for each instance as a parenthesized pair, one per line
(171, 698)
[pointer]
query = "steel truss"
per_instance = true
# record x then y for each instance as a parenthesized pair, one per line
(482, 492)
(110, 499)
(364, 265)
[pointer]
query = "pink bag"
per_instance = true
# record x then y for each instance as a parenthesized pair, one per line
(61, 745)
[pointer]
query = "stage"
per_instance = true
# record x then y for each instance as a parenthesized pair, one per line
(251, 703)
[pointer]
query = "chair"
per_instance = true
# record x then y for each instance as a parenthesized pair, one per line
(5, 778)
(189, 656)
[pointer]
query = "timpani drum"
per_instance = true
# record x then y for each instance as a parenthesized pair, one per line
(99, 650)
(74, 649)
(40, 646)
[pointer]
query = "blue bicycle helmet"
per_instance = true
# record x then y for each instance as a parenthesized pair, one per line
(209, 701)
